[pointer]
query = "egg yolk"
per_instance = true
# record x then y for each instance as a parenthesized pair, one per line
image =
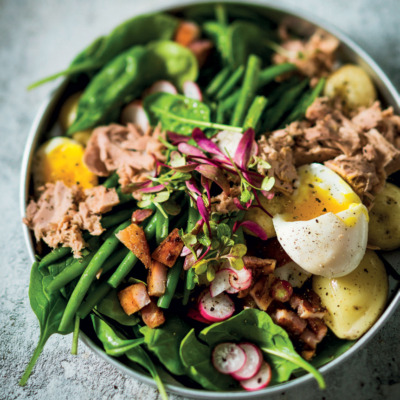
(312, 201)
(65, 163)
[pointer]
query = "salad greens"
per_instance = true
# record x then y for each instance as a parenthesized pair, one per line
(240, 94)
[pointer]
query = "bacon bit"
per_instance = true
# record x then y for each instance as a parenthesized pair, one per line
(152, 315)
(308, 305)
(169, 249)
(156, 279)
(289, 320)
(266, 266)
(139, 216)
(186, 33)
(134, 238)
(260, 292)
(133, 298)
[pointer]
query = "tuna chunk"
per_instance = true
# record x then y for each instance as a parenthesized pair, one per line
(125, 149)
(61, 213)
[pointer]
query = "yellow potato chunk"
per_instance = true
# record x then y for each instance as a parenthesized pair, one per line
(355, 301)
(275, 206)
(384, 219)
(353, 85)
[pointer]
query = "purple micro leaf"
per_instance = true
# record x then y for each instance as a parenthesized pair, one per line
(190, 150)
(244, 150)
(176, 138)
(206, 144)
(216, 175)
(206, 184)
(203, 211)
(153, 189)
(192, 186)
(259, 203)
(238, 204)
(255, 228)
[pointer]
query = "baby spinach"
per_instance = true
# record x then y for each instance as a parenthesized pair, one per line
(113, 344)
(164, 342)
(127, 75)
(257, 326)
(136, 31)
(196, 357)
(111, 308)
(48, 308)
(174, 111)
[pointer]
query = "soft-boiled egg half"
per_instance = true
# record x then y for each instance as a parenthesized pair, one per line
(324, 228)
(61, 159)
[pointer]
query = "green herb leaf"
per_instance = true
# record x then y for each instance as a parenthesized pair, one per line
(268, 183)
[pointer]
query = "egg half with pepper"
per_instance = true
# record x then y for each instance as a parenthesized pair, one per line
(324, 227)
(61, 159)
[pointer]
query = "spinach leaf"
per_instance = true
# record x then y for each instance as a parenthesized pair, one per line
(196, 357)
(127, 75)
(48, 309)
(219, 34)
(114, 345)
(111, 308)
(257, 326)
(174, 111)
(136, 31)
(164, 342)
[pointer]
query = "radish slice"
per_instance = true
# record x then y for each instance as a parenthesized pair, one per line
(260, 380)
(135, 114)
(192, 90)
(162, 86)
(215, 309)
(194, 314)
(221, 281)
(232, 290)
(228, 358)
(254, 360)
(243, 279)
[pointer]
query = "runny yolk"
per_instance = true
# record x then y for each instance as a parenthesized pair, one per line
(311, 202)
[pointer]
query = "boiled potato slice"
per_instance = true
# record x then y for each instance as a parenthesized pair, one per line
(274, 206)
(353, 85)
(384, 219)
(68, 110)
(355, 301)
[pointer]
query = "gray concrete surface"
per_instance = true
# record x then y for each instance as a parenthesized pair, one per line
(40, 37)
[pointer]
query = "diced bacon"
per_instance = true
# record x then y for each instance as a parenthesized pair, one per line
(169, 249)
(186, 33)
(156, 279)
(307, 305)
(134, 298)
(140, 215)
(152, 315)
(266, 266)
(288, 320)
(260, 292)
(134, 238)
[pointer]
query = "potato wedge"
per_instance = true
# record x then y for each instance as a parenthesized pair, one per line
(384, 219)
(355, 301)
(169, 249)
(353, 85)
(274, 206)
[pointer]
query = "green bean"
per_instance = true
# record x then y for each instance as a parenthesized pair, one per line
(93, 299)
(53, 256)
(255, 111)
(88, 276)
(275, 114)
(124, 197)
(218, 81)
(75, 337)
(248, 89)
(56, 268)
(230, 101)
(230, 84)
(116, 218)
(269, 74)
(162, 227)
(172, 281)
(111, 181)
(130, 259)
(221, 14)
(306, 100)
(220, 115)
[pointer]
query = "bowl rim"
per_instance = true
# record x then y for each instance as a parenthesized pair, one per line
(386, 88)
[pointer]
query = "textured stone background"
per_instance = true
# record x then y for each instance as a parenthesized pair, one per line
(38, 38)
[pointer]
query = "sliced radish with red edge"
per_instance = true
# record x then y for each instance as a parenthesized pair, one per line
(162, 87)
(192, 90)
(260, 380)
(253, 363)
(228, 358)
(135, 114)
(221, 281)
(215, 309)
(194, 314)
(242, 280)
